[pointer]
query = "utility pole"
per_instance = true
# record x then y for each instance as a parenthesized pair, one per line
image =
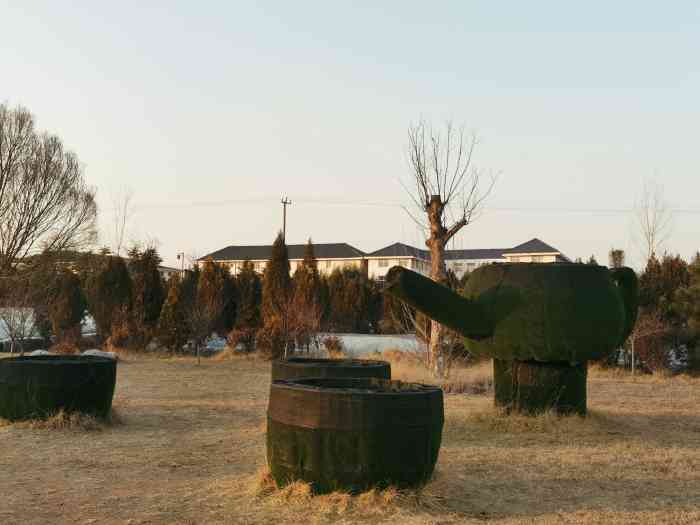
(285, 202)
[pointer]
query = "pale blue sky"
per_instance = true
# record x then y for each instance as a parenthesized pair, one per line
(239, 103)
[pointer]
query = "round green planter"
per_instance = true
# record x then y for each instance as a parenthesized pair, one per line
(39, 386)
(353, 434)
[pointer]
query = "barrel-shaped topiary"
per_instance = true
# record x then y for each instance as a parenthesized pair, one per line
(353, 434)
(39, 386)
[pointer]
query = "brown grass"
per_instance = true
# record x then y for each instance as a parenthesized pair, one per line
(475, 379)
(192, 450)
(68, 421)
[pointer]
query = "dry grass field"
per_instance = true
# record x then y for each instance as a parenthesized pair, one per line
(187, 447)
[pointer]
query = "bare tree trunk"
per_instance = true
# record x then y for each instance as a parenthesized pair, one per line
(436, 243)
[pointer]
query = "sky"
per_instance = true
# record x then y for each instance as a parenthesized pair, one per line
(211, 112)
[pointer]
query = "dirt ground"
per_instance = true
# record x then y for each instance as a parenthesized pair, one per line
(188, 448)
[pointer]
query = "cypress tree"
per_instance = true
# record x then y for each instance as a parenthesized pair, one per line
(277, 285)
(173, 330)
(306, 305)
(67, 307)
(227, 317)
(210, 300)
(249, 298)
(109, 296)
(249, 288)
(276, 296)
(148, 293)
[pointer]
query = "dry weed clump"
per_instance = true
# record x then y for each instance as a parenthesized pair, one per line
(229, 354)
(476, 379)
(68, 421)
(374, 502)
(595, 371)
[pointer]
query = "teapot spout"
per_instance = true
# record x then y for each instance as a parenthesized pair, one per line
(438, 302)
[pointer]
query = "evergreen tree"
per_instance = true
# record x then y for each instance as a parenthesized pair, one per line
(276, 297)
(109, 297)
(249, 297)
(173, 330)
(658, 285)
(214, 291)
(249, 288)
(67, 307)
(148, 293)
(592, 261)
(687, 299)
(305, 312)
(349, 291)
(277, 285)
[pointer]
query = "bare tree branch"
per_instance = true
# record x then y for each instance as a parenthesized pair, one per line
(654, 218)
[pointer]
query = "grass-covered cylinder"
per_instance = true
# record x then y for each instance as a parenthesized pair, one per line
(353, 434)
(38, 386)
(303, 367)
(529, 387)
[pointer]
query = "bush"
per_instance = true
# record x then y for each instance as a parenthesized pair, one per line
(269, 340)
(243, 336)
(334, 346)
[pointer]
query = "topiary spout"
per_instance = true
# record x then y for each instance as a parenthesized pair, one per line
(439, 303)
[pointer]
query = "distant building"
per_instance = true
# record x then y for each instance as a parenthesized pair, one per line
(328, 256)
(166, 272)
(377, 263)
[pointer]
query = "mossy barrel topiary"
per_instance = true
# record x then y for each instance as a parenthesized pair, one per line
(303, 367)
(353, 434)
(38, 386)
(540, 322)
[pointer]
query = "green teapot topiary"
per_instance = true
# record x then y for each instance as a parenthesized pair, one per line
(541, 323)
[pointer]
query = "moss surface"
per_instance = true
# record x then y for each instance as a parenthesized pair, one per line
(529, 387)
(32, 387)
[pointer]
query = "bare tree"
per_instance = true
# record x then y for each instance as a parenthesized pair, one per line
(616, 258)
(121, 203)
(646, 341)
(449, 192)
(16, 312)
(44, 201)
(653, 218)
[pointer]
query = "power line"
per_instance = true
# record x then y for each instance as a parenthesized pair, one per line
(389, 204)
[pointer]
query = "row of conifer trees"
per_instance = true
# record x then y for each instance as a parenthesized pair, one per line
(133, 306)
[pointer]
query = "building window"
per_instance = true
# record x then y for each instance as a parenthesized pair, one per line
(328, 264)
(537, 258)
(383, 263)
(458, 266)
(403, 262)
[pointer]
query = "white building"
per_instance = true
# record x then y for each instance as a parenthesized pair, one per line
(328, 257)
(377, 263)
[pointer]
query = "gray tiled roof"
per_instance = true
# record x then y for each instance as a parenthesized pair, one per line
(295, 251)
(532, 246)
(399, 249)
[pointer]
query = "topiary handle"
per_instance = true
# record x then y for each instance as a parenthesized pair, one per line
(626, 281)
